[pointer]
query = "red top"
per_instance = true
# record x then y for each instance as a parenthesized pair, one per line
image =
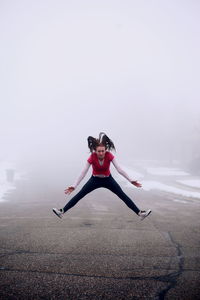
(97, 168)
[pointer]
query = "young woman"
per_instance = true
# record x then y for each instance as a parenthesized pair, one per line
(100, 159)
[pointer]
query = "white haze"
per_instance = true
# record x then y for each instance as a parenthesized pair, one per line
(70, 69)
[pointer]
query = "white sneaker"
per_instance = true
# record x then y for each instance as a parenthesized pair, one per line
(58, 212)
(144, 213)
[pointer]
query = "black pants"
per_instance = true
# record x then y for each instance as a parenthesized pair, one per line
(106, 182)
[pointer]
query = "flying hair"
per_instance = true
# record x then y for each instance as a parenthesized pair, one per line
(103, 140)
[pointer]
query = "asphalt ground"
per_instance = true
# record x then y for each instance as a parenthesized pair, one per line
(100, 249)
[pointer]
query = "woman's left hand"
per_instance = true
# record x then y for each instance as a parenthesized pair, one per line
(136, 183)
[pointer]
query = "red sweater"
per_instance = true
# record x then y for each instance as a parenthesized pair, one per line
(97, 168)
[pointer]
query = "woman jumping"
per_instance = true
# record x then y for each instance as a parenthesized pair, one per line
(100, 159)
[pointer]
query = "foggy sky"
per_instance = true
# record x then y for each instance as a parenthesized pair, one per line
(70, 69)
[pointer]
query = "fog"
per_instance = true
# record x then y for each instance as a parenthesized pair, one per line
(70, 69)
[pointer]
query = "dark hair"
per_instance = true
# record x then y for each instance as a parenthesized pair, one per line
(103, 140)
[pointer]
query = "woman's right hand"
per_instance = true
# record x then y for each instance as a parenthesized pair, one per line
(69, 190)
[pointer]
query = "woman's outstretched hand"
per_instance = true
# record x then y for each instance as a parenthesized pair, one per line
(136, 183)
(69, 190)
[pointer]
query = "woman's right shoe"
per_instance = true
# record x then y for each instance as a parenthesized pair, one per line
(144, 213)
(58, 212)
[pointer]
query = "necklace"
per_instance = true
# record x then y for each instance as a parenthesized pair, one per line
(101, 162)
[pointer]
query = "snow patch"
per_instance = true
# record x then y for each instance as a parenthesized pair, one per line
(166, 171)
(148, 185)
(191, 182)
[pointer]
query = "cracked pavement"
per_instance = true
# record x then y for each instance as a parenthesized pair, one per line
(100, 249)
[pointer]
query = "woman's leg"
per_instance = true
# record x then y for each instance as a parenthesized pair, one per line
(113, 186)
(90, 185)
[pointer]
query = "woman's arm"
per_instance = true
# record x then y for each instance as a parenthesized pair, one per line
(78, 180)
(120, 171)
(124, 174)
(82, 175)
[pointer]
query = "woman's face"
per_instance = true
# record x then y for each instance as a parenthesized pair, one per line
(100, 151)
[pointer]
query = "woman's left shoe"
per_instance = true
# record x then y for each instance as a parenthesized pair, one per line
(144, 213)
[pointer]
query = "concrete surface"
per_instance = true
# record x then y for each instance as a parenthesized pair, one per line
(100, 249)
